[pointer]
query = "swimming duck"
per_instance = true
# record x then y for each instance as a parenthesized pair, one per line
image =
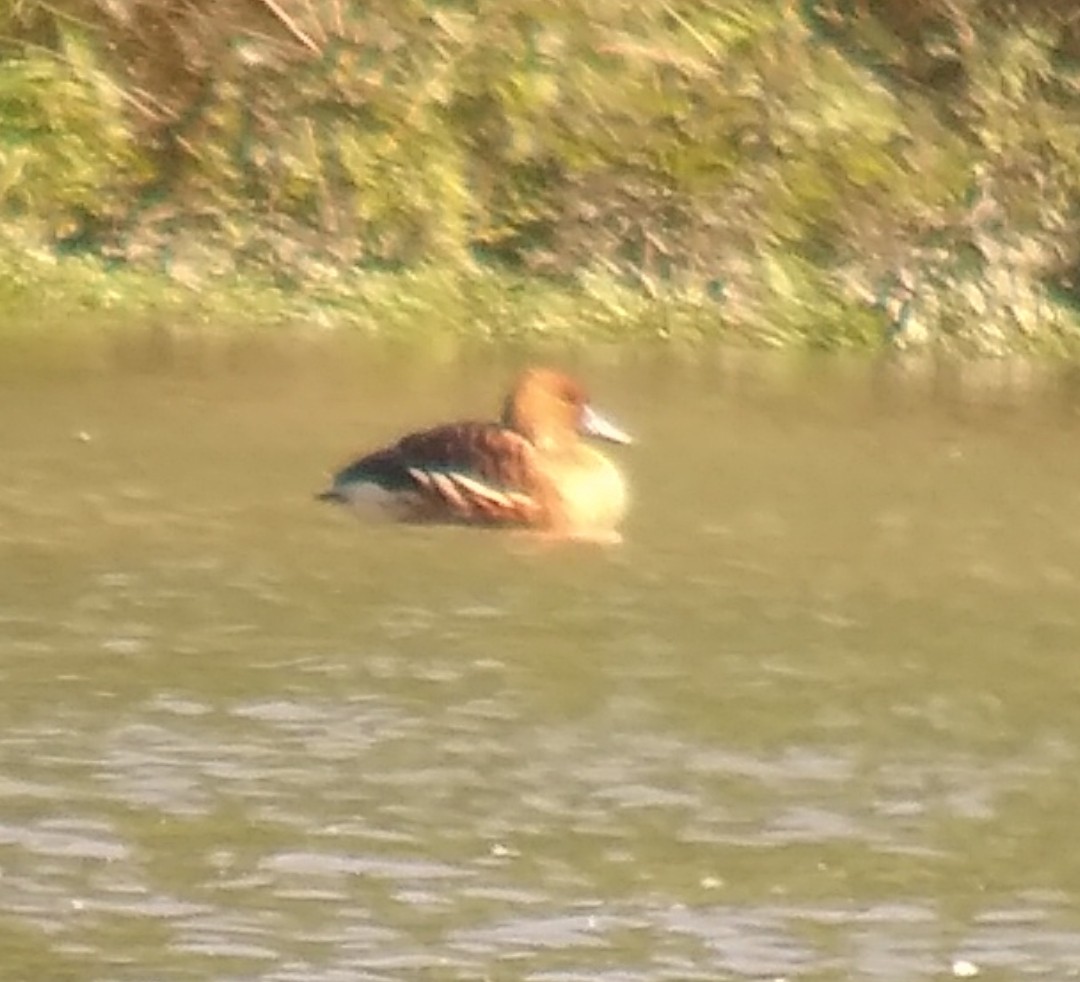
(530, 469)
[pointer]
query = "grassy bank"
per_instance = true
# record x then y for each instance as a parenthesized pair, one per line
(820, 174)
(38, 290)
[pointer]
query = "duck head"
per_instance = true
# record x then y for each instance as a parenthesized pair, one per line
(551, 409)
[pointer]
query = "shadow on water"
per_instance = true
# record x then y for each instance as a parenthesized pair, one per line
(815, 718)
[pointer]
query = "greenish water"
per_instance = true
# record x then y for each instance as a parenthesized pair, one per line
(816, 718)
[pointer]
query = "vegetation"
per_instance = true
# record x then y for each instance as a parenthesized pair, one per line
(827, 173)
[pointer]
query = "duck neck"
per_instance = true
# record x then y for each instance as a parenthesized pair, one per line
(545, 436)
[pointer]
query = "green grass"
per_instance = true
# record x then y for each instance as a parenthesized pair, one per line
(757, 172)
(432, 305)
(422, 305)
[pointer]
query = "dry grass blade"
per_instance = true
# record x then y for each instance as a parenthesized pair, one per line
(291, 26)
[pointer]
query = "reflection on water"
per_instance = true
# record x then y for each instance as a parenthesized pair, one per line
(815, 718)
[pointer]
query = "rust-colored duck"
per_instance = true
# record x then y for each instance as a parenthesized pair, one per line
(529, 470)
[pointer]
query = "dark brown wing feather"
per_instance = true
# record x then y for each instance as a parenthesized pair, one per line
(464, 471)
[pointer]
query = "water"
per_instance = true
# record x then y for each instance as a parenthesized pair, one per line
(816, 718)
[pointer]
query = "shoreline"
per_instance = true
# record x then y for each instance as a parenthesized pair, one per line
(439, 307)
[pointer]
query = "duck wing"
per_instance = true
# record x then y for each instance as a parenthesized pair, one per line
(467, 471)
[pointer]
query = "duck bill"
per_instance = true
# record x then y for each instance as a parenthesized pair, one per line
(593, 424)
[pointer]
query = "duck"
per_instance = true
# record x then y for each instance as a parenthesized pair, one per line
(528, 470)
